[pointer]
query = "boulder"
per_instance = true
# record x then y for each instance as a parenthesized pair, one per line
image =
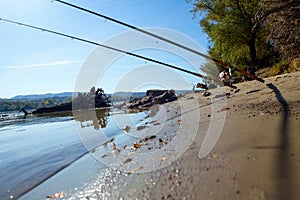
(152, 97)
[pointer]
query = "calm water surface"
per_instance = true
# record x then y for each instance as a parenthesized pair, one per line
(35, 148)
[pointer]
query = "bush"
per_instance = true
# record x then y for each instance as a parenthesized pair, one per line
(280, 68)
(295, 65)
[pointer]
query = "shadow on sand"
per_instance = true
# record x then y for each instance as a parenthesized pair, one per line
(284, 183)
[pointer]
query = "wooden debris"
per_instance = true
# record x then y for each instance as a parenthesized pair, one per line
(140, 128)
(152, 137)
(277, 78)
(135, 170)
(223, 109)
(146, 139)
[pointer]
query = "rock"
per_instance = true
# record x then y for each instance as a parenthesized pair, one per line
(206, 93)
(152, 97)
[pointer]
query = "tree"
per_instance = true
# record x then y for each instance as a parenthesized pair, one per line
(283, 25)
(236, 36)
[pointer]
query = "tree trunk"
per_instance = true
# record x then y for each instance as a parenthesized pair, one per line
(252, 48)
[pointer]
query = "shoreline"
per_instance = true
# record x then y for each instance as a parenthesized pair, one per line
(256, 157)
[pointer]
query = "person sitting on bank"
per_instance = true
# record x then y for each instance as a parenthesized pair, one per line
(225, 76)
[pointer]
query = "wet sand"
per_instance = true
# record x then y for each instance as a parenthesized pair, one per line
(256, 157)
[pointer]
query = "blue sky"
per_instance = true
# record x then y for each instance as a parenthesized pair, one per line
(35, 62)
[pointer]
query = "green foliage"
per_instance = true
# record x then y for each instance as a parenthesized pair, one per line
(211, 71)
(285, 66)
(232, 28)
(280, 68)
(11, 105)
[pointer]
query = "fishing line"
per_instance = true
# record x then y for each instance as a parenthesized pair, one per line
(165, 39)
(104, 46)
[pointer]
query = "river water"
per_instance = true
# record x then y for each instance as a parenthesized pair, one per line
(35, 148)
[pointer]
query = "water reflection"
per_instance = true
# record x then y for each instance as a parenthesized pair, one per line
(96, 118)
(87, 118)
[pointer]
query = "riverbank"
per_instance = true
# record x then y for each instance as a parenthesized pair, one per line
(257, 155)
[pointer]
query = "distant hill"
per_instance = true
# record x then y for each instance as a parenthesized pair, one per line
(41, 96)
(125, 95)
(129, 94)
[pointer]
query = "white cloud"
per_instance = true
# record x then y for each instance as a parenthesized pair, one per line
(52, 64)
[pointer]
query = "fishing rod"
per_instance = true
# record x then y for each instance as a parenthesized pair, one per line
(166, 40)
(104, 46)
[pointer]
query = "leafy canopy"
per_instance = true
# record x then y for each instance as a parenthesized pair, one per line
(231, 26)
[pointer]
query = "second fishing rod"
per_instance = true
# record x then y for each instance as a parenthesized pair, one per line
(104, 46)
(221, 63)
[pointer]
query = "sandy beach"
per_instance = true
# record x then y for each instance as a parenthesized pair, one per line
(257, 155)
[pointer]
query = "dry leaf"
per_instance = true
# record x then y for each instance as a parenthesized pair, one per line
(137, 145)
(163, 158)
(215, 155)
(114, 146)
(127, 160)
(103, 156)
(56, 195)
(126, 129)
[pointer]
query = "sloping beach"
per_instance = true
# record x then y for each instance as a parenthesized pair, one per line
(257, 155)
